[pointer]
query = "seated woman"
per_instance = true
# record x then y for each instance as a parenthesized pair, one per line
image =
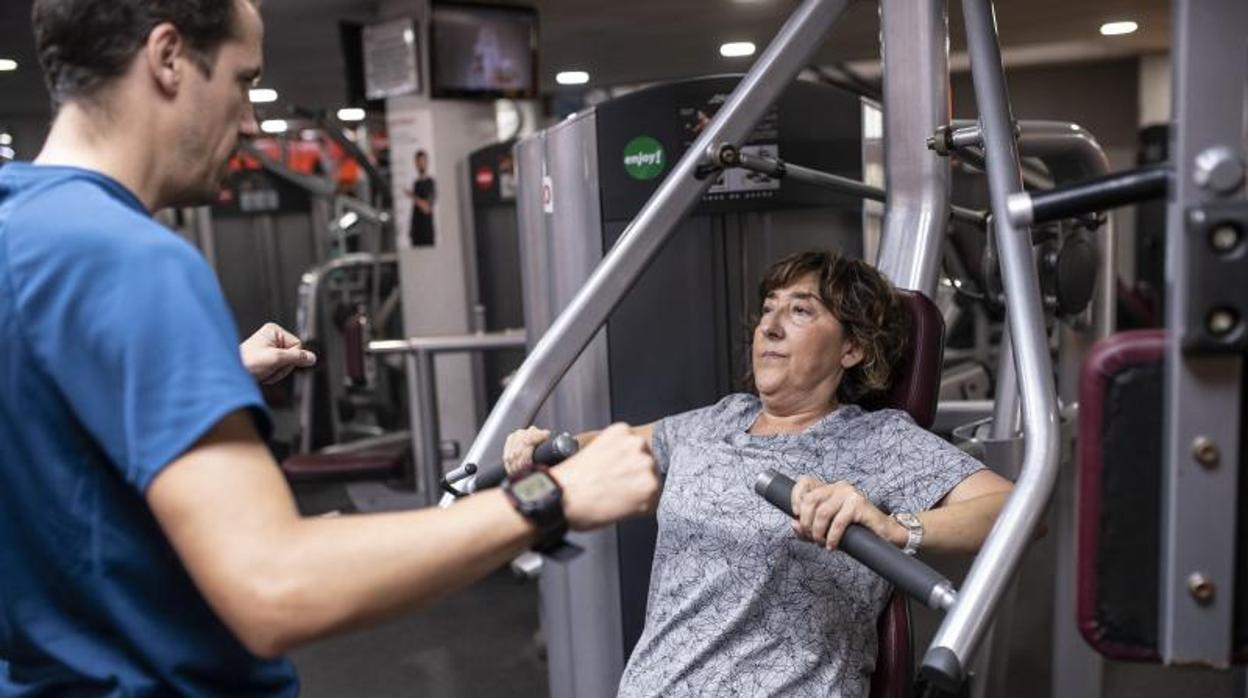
(739, 604)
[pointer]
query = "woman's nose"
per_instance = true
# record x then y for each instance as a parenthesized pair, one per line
(771, 327)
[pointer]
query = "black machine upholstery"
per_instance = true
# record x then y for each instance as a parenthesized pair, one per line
(1119, 497)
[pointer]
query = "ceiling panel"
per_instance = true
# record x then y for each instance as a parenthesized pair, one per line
(623, 41)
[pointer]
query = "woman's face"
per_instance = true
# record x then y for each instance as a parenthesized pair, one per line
(800, 351)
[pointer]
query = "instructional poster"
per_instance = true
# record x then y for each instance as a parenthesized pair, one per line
(736, 183)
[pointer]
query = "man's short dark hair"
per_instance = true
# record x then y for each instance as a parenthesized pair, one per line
(85, 44)
(421, 154)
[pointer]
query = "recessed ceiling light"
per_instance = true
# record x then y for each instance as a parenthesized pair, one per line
(1118, 28)
(351, 114)
(572, 77)
(736, 49)
(7, 64)
(262, 95)
(6, 139)
(273, 126)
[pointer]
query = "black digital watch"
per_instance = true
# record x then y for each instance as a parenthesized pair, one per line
(537, 496)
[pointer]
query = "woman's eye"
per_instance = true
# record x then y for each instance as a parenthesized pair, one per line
(801, 310)
(766, 309)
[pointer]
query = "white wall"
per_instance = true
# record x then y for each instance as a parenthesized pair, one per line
(1154, 89)
(434, 279)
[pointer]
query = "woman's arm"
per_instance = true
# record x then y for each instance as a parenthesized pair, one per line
(518, 450)
(958, 524)
(961, 521)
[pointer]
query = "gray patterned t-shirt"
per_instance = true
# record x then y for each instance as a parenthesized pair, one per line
(738, 605)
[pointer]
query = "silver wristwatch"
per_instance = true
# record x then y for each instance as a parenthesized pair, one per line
(914, 531)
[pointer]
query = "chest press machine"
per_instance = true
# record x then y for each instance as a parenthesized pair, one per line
(1191, 616)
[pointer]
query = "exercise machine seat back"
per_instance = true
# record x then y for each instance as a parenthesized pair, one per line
(915, 389)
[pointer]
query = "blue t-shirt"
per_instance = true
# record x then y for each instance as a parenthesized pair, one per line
(117, 353)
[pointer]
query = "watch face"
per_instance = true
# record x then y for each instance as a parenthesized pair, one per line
(533, 487)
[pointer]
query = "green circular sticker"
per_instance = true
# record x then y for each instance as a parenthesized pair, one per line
(643, 158)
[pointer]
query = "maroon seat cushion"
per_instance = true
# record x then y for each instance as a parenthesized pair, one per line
(894, 662)
(371, 464)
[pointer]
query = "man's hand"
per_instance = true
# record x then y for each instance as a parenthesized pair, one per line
(612, 478)
(519, 447)
(272, 353)
(824, 511)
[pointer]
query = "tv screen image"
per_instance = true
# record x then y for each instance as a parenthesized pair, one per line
(483, 51)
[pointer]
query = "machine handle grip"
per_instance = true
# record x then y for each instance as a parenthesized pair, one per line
(555, 450)
(904, 572)
(552, 451)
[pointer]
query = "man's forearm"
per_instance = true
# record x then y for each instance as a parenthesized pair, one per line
(337, 573)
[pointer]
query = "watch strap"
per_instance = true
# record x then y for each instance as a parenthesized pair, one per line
(914, 531)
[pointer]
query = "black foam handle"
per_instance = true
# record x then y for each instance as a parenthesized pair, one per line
(1101, 193)
(555, 450)
(490, 476)
(904, 572)
(552, 451)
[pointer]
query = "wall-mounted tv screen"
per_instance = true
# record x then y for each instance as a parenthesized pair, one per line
(485, 51)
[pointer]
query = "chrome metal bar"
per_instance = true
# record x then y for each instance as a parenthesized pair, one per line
(788, 53)
(787, 170)
(959, 634)
(915, 38)
(1005, 412)
(955, 413)
(451, 343)
(419, 353)
(429, 439)
(780, 169)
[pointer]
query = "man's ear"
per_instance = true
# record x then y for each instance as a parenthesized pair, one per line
(163, 55)
(851, 354)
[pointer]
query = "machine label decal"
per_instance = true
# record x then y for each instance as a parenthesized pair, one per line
(644, 158)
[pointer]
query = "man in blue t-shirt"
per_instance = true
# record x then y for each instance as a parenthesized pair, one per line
(149, 544)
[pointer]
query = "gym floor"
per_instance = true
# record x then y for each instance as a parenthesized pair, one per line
(480, 641)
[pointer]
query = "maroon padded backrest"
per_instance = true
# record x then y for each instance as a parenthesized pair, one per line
(916, 385)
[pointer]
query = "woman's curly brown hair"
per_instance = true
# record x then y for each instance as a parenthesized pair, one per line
(868, 308)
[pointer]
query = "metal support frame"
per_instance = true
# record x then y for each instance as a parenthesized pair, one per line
(788, 53)
(915, 51)
(959, 634)
(1202, 383)
(419, 353)
(308, 326)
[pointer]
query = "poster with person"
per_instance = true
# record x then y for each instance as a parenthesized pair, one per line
(423, 194)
